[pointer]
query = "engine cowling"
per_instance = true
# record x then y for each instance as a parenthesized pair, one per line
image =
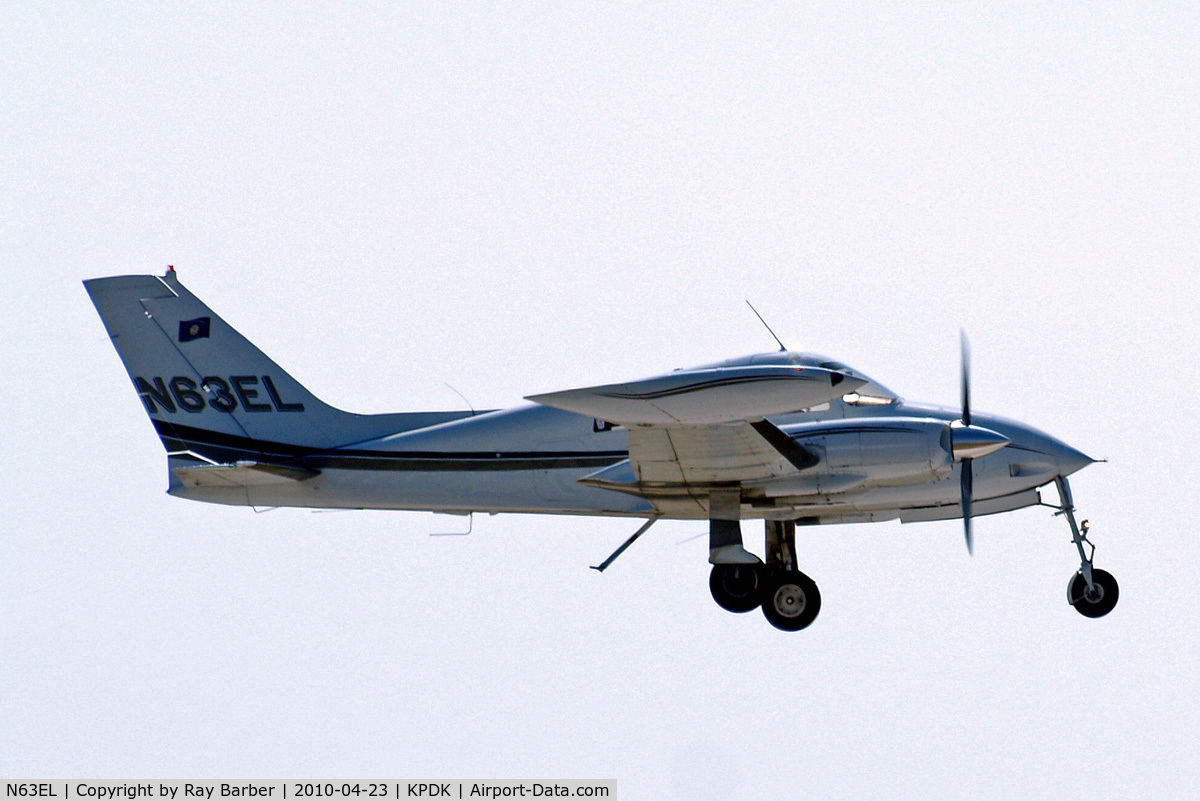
(869, 452)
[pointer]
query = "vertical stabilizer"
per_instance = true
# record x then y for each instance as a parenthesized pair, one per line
(204, 385)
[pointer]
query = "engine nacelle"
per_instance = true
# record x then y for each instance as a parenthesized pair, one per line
(868, 452)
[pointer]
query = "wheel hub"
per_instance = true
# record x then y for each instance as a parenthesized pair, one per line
(789, 600)
(740, 581)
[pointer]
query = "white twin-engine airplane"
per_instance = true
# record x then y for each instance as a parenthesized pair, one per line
(789, 438)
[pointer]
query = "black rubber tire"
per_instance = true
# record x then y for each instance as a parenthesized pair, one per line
(736, 588)
(1093, 607)
(790, 600)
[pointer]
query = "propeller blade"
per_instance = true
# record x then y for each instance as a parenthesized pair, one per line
(966, 377)
(967, 501)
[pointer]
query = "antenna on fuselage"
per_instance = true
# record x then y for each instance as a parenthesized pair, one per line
(464, 397)
(764, 322)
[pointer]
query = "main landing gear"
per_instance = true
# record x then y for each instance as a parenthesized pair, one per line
(737, 588)
(1093, 592)
(789, 599)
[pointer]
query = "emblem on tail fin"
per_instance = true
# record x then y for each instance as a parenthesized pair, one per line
(194, 329)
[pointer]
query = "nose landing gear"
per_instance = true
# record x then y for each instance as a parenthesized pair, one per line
(1093, 592)
(1098, 599)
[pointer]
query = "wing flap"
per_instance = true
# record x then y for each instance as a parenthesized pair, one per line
(702, 456)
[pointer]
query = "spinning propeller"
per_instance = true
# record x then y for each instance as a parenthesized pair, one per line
(968, 442)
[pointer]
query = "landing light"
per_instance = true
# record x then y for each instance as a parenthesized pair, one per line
(865, 400)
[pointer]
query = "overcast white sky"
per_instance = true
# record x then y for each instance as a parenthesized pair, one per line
(516, 199)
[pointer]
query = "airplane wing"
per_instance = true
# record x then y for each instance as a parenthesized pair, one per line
(737, 451)
(696, 429)
(708, 396)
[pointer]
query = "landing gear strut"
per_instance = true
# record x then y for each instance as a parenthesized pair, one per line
(1093, 592)
(737, 576)
(790, 600)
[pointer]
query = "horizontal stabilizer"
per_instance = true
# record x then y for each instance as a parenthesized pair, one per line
(241, 474)
(703, 397)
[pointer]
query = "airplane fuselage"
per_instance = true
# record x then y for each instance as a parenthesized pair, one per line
(531, 459)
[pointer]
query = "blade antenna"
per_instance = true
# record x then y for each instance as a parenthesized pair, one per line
(650, 521)
(764, 322)
(464, 397)
(470, 528)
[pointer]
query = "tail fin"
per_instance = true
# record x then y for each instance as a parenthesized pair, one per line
(208, 389)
